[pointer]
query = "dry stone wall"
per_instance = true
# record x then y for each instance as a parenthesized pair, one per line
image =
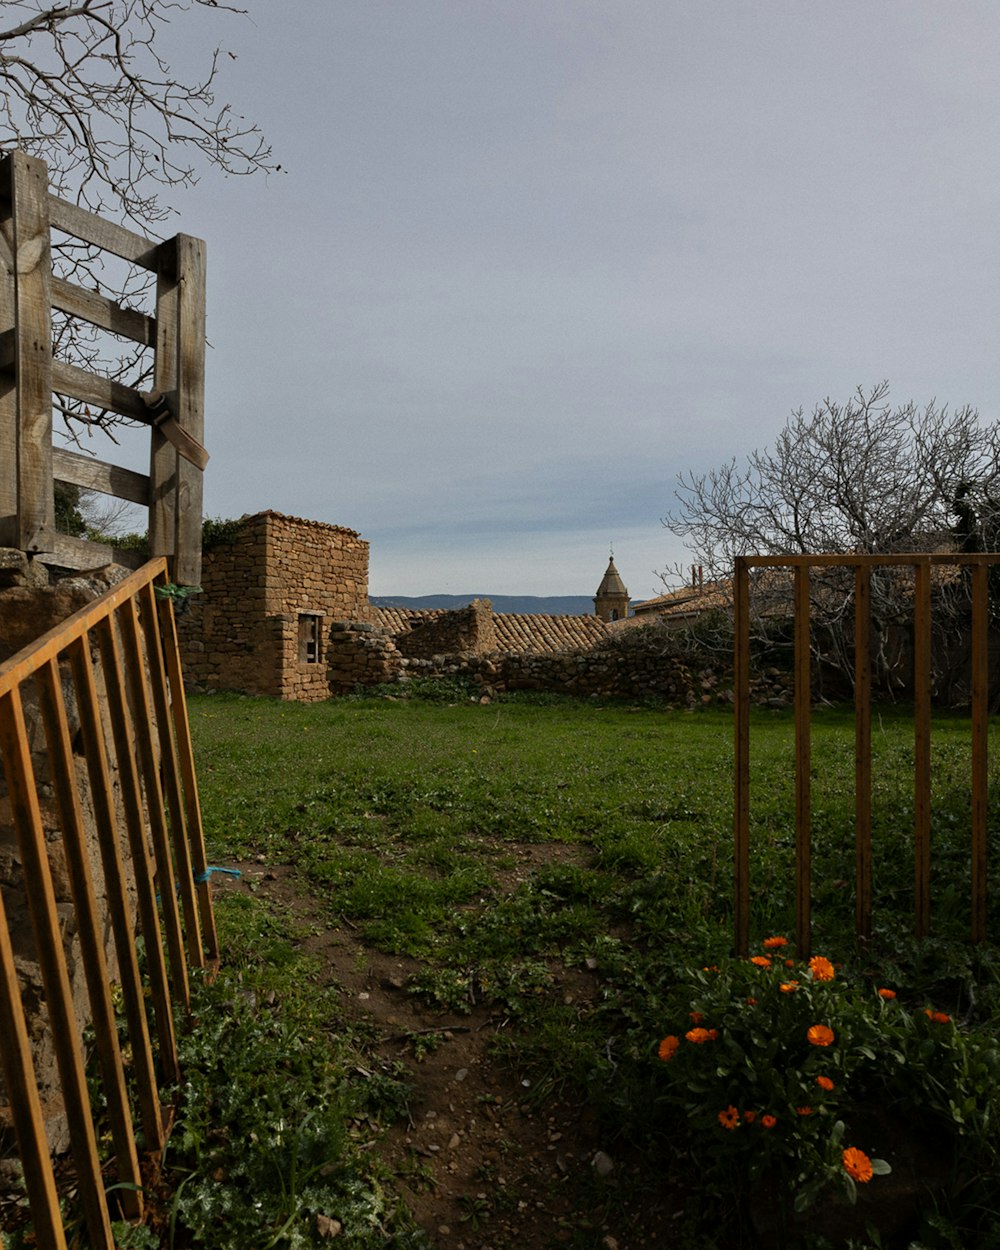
(269, 597)
(469, 630)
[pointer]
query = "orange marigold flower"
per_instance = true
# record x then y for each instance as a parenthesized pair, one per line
(887, 994)
(768, 1121)
(938, 1017)
(751, 1002)
(729, 1118)
(749, 1116)
(821, 969)
(699, 1036)
(824, 1082)
(857, 1165)
(820, 1035)
(696, 1017)
(761, 961)
(772, 943)
(803, 1110)
(669, 1047)
(713, 1034)
(788, 987)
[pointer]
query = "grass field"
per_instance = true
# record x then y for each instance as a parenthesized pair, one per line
(403, 810)
(414, 819)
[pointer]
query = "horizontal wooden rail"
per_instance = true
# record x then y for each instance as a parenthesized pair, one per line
(110, 479)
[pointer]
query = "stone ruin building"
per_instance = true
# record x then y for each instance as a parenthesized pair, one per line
(285, 613)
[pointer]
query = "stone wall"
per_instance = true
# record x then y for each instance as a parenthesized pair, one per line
(469, 630)
(269, 597)
(365, 655)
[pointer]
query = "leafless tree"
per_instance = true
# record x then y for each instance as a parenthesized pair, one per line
(87, 87)
(860, 476)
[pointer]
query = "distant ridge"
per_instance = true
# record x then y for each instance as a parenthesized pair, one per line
(534, 605)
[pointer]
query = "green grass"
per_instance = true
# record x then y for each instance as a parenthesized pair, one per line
(406, 812)
(493, 842)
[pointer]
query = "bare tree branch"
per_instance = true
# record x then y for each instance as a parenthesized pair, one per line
(860, 476)
(87, 88)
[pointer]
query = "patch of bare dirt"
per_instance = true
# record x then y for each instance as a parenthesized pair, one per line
(482, 1161)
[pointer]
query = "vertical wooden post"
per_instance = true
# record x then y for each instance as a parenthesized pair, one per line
(922, 748)
(190, 405)
(863, 753)
(52, 962)
(741, 797)
(185, 750)
(980, 736)
(126, 752)
(170, 775)
(803, 765)
(102, 797)
(90, 933)
(25, 1106)
(8, 388)
(166, 877)
(163, 456)
(32, 353)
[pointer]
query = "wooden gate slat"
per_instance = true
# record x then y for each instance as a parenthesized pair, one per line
(170, 771)
(922, 748)
(26, 1109)
(862, 754)
(166, 878)
(52, 963)
(741, 716)
(803, 767)
(95, 751)
(185, 751)
(74, 842)
(980, 745)
(135, 825)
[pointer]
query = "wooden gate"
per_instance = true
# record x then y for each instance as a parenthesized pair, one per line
(107, 682)
(799, 568)
(29, 376)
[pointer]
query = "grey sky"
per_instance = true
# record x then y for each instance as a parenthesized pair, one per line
(529, 259)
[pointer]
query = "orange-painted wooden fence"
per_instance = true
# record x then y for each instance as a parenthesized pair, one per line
(112, 674)
(799, 569)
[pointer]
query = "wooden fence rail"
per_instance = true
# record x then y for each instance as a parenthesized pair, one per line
(106, 683)
(799, 570)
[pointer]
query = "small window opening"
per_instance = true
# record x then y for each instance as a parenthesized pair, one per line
(310, 633)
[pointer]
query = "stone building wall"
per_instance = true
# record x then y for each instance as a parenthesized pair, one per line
(269, 597)
(470, 629)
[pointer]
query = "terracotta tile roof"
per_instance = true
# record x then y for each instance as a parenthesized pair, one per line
(548, 633)
(516, 632)
(686, 601)
(399, 620)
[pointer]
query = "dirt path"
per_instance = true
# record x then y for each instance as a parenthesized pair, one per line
(482, 1162)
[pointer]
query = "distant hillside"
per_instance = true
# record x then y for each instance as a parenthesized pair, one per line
(551, 605)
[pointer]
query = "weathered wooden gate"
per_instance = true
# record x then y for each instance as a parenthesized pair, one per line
(799, 568)
(29, 376)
